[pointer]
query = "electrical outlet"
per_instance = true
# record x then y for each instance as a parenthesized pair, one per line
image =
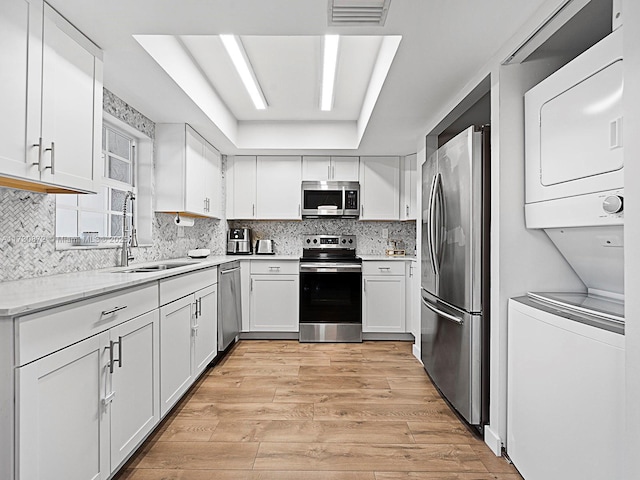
(180, 231)
(385, 233)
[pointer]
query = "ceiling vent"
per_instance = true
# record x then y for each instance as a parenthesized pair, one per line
(358, 12)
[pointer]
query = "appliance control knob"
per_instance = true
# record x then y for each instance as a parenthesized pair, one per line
(315, 240)
(308, 240)
(613, 204)
(351, 240)
(344, 240)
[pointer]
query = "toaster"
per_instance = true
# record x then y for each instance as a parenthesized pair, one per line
(264, 247)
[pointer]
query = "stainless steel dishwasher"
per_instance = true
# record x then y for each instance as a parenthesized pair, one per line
(229, 309)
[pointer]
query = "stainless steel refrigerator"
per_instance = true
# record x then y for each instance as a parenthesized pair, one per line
(455, 248)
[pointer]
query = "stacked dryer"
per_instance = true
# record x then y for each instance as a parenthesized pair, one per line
(566, 349)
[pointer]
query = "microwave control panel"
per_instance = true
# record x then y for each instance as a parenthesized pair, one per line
(351, 200)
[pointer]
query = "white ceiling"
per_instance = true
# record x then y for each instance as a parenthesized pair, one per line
(444, 43)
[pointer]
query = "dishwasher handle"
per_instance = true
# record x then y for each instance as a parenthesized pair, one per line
(231, 270)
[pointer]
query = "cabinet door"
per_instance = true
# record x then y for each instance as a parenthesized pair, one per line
(61, 419)
(274, 303)
(71, 126)
(409, 188)
(195, 165)
(278, 188)
(315, 168)
(213, 181)
(21, 56)
(345, 169)
(379, 188)
(383, 304)
(135, 408)
(205, 328)
(175, 348)
(241, 187)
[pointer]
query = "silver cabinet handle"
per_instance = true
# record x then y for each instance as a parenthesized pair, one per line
(108, 398)
(40, 149)
(446, 315)
(113, 310)
(386, 269)
(53, 158)
(333, 172)
(277, 269)
(251, 285)
(328, 172)
(113, 360)
(200, 307)
(197, 312)
(361, 210)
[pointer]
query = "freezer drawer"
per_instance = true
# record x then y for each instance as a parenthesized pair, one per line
(452, 353)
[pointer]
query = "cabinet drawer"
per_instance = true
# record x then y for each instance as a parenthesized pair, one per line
(42, 333)
(179, 286)
(390, 267)
(266, 267)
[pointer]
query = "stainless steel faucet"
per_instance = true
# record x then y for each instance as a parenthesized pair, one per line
(127, 241)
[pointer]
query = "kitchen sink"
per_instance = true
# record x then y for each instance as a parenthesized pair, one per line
(155, 268)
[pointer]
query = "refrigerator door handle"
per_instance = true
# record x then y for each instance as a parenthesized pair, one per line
(438, 198)
(430, 225)
(446, 315)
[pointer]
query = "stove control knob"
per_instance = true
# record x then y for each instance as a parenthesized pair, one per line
(344, 240)
(351, 240)
(315, 240)
(308, 240)
(613, 204)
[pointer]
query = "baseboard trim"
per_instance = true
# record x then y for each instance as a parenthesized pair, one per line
(402, 337)
(417, 353)
(492, 439)
(269, 336)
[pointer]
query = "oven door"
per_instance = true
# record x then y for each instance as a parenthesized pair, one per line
(328, 297)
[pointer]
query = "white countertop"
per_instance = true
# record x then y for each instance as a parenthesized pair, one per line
(29, 295)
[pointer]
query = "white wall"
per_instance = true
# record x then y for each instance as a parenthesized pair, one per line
(632, 231)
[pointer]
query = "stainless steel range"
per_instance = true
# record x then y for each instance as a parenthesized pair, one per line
(330, 289)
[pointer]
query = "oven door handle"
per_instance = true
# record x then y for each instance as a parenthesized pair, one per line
(329, 268)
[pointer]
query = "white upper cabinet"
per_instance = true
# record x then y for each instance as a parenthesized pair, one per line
(278, 189)
(326, 168)
(241, 187)
(52, 101)
(188, 172)
(380, 188)
(409, 188)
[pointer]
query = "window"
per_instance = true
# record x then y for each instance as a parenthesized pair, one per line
(89, 219)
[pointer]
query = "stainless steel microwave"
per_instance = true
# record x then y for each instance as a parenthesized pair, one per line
(330, 199)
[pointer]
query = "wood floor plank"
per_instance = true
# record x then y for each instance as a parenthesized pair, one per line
(315, 394)
(199, 455)
(280, 359)
(256, 370)
(444, 476)
(416, 381)
(157, 474)
(442, 432)
(328, 456)
(433, 410)
(358, 370)
(311, 432)
(492, 463)
(248, 411)
(248, 393)
(186, 430)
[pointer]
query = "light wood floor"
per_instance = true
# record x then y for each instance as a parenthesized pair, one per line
(282, 410)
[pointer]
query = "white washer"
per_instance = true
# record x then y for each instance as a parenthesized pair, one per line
(565, 389)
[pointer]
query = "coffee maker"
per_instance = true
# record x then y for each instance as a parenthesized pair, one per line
(239, 241)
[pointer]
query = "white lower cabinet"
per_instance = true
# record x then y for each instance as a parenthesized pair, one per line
(383, 297)
(85, 408)
(188, 342)
(274, 292)
(135, 394)
(61, 416)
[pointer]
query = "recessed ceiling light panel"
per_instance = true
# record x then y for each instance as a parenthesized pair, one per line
(358, 12)
(238, 55)
(329, 64)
